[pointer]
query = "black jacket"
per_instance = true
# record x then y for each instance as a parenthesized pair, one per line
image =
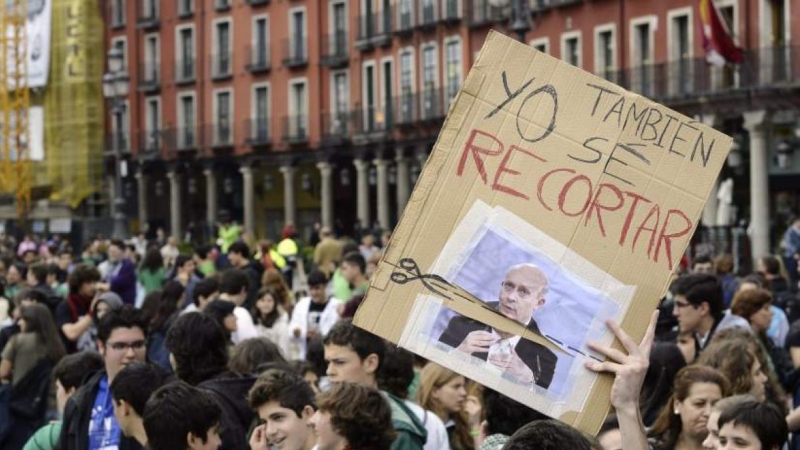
(254, 270)
(78, 413)
(536, 356)
(230, 393)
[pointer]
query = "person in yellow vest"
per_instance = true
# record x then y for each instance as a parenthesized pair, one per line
(269, 256)
(229, 233)
(288, 249)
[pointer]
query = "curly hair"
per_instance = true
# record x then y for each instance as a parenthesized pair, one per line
(360, 415)
(83, 273)
(275, 281)
(735, 359)
(750, 301)
(199, 346)
(252, 353)
(289, 389)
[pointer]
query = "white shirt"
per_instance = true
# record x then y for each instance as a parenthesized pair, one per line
(437, 433)
(244, 326)
(299, 321)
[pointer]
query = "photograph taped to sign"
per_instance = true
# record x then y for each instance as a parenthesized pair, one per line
(503, 261)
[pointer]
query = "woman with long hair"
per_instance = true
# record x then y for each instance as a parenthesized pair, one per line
(445, 393)
(740, 364)
(151, 271)
(167, 309)
(271, 320)
(682, 424)
(38, 339)
(274, 280)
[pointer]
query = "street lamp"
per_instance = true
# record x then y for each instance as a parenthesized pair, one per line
(116, 85)
(520, 19)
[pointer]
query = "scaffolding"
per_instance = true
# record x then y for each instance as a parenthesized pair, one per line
(15, 169)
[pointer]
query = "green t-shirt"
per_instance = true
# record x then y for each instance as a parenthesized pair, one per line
(45, 438)
(341, 288)
(151, 281)
(207, 268)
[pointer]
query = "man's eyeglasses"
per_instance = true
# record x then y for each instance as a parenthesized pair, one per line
(681, 305)
(123, 346)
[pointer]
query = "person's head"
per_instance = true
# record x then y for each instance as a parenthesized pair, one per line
(712, 440)
(753, 426)
(181, 417)
(250, 354)
(755, 306)
(53, 272)
(698, 302)
(368, 240)
(64, 259)
(522, 292)
(198, 347)
(354, 416)
(610, 436)
(723, 264)
(153, 260)
(116, 250)
(703, 264)
(222, 312)
(82, 280)
(752, 281)
(317, 282)
(185, 264)
(233, 284)
(505, 415)
(38, 320)
(441, 390)
(285, 404)
(548, 435)
(131, 389)
(169, 304)
(697, 390)
(70, 372)
(29, 256)
(397, 370)
(309, 373)
(275, 280)
(204, 291)
(121, 338)
(16, 273)
(37, 274)
(28, 296)
(739, 364)
(769, 266)
(353, 267)
(325, 232)
(266, 310)
(238, 254)
(353, 355)
(200, 254)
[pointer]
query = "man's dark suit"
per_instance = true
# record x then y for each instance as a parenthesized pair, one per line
(536, 356)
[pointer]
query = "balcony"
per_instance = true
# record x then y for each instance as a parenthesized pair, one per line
(117, 140)
(150, 142)
(257, 2)
(147, 18)
(374, 30)
(295, 129)
(116, 16)
(484, 13)
(185, 9)
(405, 22)
(221, 134)
(221, 66)
(182, 139)
(428, 18)
(259, 59)
(334, 50)
(295, 52)
(258, 132)
(415, 108)
(184, 71)
(451, 14)
(149, 80)
(336, 127)
(222, 5)
(371, 123)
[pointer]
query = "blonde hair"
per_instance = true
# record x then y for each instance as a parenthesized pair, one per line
(431, 378)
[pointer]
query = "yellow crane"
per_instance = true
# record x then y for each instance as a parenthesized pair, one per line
(15, 169)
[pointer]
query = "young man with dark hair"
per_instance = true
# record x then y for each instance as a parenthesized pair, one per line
(204, 293)
(68, 375)
(73, 315)
(121, 277)
(354, 270)
(698, 306)
(181, 417)
(233, 287)
(131, 389)
(504, 416)
(352, 416)
(239, 257)
(753, 425)
(285, 404)
(703, 264)
(354, 356)
(184, 274)
(89, 421)
(199, 354)
(313, 316)
(204, 264)
(548, 435)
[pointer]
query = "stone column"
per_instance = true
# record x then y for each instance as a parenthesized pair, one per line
(382, 168)
(288, 194)
(141, 187)
(212, 206)
(755, 122)
(175, 206)
(712, 204)
(403, 181)
(326, 192)
(249, 204)
(362, 192)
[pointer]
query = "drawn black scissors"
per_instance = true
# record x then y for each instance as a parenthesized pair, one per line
(409, 271)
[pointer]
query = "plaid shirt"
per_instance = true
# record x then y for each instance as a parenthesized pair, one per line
(494, 442)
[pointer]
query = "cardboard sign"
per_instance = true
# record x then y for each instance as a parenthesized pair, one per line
(552, 201)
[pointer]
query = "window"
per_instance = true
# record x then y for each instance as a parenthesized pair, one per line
(339, 27)
(185, 7)
(151, 58)
(260, 130)
(339, 101)
(452, 67)
(260, 53)
(185, 50)
(428, 11)
(152, 124)
(298, 110)
(186, 120)
(120, 128)
(368, 97)
(451, 9)
(541, 44)
(679, 47)
(642, 54)
(297, 30)
(429, 76)
(406, 86)
(149, 9)
(117, 13)
(223, 131)
(386, 116)
(605, 59)
(222, 47)
(122, 44)
(571, 48)
(406, 18)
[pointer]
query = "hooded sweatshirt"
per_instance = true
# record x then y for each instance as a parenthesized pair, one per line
(411, 434)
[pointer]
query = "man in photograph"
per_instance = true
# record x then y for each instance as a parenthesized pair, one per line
(523, 292)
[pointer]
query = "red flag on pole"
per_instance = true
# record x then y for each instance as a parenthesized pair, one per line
(717, 41)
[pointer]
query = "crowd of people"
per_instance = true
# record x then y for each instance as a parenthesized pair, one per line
(146, 344)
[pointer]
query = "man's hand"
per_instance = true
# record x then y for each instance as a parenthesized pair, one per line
(513, 365)
(258, 440)
(478, 342)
